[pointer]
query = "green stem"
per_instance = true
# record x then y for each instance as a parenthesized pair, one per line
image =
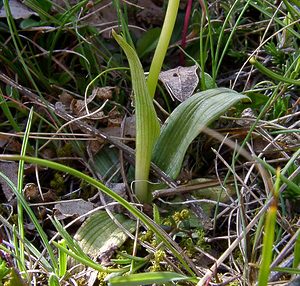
(269, 234)
(84, 261)
(272, 74)
(162, 45)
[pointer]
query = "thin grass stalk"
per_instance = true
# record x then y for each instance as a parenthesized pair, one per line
(35, 222)
(19, 46)
(224, 50)
(16, 243)
(253, 126)
(71, 248)
(162, 46)
(63, 259)
(20, 191)
(296, 261)
(30, 247)
(291, 161)
(269, 234)
(294, 187)
(6, 111)
(64, 19)
(123, 22)
(17, 43)
(149, 278)
(84, 261)
(241, 215)
(256, 239)
(276, 19)
(33, 4)
(221, 34)
(271, 74)
(293, 8)
(185, 29)
(211, 41)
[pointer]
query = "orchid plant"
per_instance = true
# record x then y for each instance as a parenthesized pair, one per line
(166, 146)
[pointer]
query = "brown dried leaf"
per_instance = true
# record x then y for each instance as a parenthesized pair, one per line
(18, 10)
(10, 170)
(103, 93)
(10, 143)
(72, 209)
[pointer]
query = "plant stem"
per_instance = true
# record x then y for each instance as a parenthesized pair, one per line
(269, 235)
(271, 74)
(185, 29)
(162, 45)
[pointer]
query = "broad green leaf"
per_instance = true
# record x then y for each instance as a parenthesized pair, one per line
(186, 122)
(147, 125)
(100, 234)
(106, 162)
(148, 278)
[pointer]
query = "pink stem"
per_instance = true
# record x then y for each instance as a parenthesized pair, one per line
(185, 29)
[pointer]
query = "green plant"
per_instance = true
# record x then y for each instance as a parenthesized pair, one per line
(76, 251)
(270, 223)
(4, 271)
(274, 75)
(167, 149)
(148, 278)
(77, 60)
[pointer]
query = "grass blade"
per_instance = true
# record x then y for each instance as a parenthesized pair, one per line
(147, 278)
(296, 261)
(269, 235)
(272, 74)
(6, 111)
(21, 264)
(33, 219)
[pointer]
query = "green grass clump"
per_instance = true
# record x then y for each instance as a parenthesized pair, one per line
(235, 140)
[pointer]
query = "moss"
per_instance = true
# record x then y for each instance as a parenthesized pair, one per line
(234, 283)
(188, 245)
(185, 214)
(101, 277)
(65, 151)
(58, 183)
(180, 216)
(88, 190)
(14, 219)
(147, 236)
(201, 241)
(159, 257)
